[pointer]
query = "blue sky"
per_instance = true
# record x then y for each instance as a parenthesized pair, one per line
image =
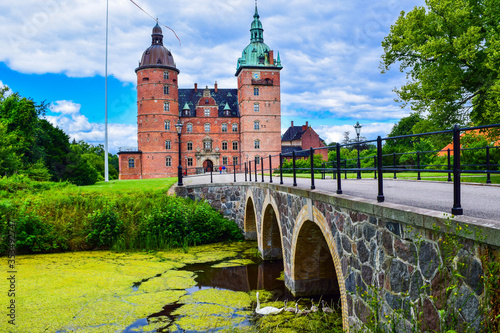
(330, 51)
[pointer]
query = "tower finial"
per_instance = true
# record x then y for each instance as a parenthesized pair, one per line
(256, 11)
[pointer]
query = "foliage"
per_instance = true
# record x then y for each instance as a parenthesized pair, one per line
(303, 165)
(105, 227)
(449, 50)
(33, 235)
(405, 126)
(10, 160)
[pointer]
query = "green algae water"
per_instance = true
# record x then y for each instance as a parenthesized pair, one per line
(207, 288)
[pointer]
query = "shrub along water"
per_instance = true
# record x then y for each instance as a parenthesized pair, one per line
(66, 217)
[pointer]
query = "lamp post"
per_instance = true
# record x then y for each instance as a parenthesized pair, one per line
(357, 127)
(178, 127)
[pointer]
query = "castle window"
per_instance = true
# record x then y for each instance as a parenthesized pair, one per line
(167, 145)
(131, 162)
(235, 145)
(257, 160)
(168, 161)
(256, 125)
(256, 91)
(165, 90)
(189, 146)
(206, 101)
(166, 106)
(224, 160)
(256, 144)
(167, 125)
(235, 160)
(165, 75)
(190, 162)
(207, 145)
(189, 128)
(207, 127)
(207, 112)
(224, 128)
(224, 145)
(256, 107)
(235, 127)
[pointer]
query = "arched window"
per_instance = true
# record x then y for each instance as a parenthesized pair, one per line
(131, 162)
(167, 125)
(166, 106)
(165, 75)
(168, 161)
(224, 128)
(256, 125)
(224, 145)
(167, 145)
(207, 127)
(235, 145)
(165, 90)
(189, 128)
(256, 144)
(235, 127)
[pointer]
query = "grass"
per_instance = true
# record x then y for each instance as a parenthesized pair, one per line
(429, 176)
(131, 185)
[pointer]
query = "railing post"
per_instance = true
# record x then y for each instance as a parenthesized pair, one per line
(358, 165)
(211, 176)
(334, 172)
(281, 169)
(418, 166)
(380, 196)
(488, 177)
(294, 171)
(262, 167)
(339, 177)
(323, 171)
(457, 208)
(311, 154)
(234, 171)
(345, 168)
(449, 165)
(250, 170)
(270, 170)
(375, 167)
(246, 171)
(255, 169)
(394, 162)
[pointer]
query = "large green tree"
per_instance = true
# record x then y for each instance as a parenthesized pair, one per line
(450, 52)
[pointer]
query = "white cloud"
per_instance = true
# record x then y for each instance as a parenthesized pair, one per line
(78, 127)
(336, 133)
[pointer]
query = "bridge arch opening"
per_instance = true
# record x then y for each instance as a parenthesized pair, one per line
(271, 235)
(314, 268)
(250, 222)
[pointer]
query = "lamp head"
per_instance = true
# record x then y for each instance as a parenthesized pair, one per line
(357, 127)
(178, 126)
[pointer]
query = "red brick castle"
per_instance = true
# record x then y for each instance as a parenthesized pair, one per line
(220, 127)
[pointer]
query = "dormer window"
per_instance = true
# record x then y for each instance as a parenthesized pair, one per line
(206, 101)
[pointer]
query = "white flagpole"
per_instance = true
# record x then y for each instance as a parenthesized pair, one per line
(106, 171)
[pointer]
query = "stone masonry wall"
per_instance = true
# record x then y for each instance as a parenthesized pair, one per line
(387, 252)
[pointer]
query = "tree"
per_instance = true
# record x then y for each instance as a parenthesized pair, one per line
(405, 126)
(10, 161)
(450, 51)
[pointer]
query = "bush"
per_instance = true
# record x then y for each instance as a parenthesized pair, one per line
(33, 235)
(105, 227)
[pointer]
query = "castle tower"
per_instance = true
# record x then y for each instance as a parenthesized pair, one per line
(259, 97)
(157, 109)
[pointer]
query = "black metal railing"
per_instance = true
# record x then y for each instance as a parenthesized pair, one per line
(376, 164)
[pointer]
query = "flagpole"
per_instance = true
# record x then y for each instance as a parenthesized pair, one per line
(106, 171)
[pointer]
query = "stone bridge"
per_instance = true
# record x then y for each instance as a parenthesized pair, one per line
(339, 244)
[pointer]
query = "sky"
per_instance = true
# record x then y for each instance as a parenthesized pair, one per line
(55, 51)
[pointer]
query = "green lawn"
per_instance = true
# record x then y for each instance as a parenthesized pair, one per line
(131, 185)
(429, 176)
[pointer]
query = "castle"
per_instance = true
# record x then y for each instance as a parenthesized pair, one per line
(220, 127)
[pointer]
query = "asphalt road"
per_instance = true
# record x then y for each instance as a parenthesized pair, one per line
(480, 201)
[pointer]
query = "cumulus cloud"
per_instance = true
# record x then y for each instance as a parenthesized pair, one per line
(78, 127)
(336, 133)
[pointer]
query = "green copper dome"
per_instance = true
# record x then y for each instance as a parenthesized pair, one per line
(256, 54)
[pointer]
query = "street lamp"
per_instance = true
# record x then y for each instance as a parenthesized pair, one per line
(357, 127)
(178, 127)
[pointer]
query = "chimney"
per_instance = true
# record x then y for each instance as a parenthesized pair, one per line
(304, 127)
(215, 86)
(271, 57)
(292, 123)
(196, 87)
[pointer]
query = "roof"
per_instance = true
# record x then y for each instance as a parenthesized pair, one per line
(293, 133)
(157, 56)
(221, 97)
(289, 149)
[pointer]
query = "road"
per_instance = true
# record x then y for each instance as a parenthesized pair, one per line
(478, 200)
